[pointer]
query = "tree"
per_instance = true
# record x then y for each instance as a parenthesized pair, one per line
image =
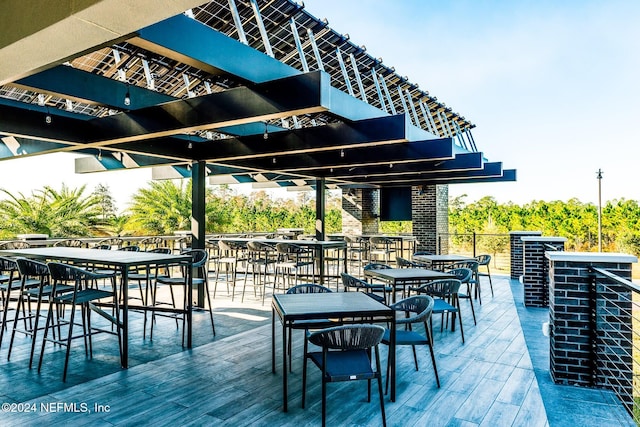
(63, 213)
(107, 202)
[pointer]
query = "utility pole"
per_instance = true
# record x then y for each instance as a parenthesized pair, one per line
(599, 176)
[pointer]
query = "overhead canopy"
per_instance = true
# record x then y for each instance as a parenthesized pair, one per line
(258, 91)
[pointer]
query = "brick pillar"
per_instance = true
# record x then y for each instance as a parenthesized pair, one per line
(583, 349)
(430, 218)
(360, 208)
(517, 266)
(536, 268)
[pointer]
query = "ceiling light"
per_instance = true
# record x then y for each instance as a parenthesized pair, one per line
(266, 132)
(47, 117)
(127, 97)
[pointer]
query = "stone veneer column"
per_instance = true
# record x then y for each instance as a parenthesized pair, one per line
(580, 355)
(360, 209)
(517, 266)
(430, 218)
(536, 268)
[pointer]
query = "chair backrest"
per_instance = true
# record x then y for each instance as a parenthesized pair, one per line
(160, 250)
(471, 265)
(103, 247)
(420, 306)
(308, 288)
(69, 243)
(348, 337)
(130, 248)
(199, 257)
(442, 288)
(61, 272)
(111, 241)
(349, 281)
(18, 244)
(462, 274)
(151, 242)
(483, 259)
(376, 266)
(8, 264)
(405, 263)
(31, 268)
(381, 242)
(257, 246)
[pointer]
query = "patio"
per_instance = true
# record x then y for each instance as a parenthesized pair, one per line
(498, 377)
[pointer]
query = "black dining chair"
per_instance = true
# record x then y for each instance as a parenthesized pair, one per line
(345, 356)
(446, 301)
(307, 288)
(352, 283)
(417, 310)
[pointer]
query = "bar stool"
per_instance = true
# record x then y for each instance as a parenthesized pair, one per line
(12, 283)
(261, 256)
(292, 259)
(35, 284)
(380, 246)
(200, 262)
(83, 296)
(484, 261)
(231, 253)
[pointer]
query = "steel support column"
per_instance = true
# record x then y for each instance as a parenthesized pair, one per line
(198, 218)
(320, 209)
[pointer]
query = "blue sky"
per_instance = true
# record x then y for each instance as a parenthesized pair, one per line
(552, 87)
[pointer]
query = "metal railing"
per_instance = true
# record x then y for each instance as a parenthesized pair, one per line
(615, 337)
(472, 244)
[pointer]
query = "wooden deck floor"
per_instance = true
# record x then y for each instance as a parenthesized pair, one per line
(488, 381)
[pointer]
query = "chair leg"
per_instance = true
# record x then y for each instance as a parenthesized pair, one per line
(66, 359)
(213, 326)
(433, 360)
(384, 417)
(304, 370)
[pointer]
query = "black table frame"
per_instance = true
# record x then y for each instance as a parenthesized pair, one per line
(401, 277)
(349, 307)
(123, 261)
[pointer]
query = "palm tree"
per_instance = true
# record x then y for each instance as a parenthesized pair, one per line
(64, 213)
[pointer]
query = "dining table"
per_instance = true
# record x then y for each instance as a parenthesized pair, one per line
(399, 278)
(443, 259)
(345, 307)
(123, 262)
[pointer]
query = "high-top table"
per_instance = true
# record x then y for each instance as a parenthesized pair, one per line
(319, 247)
(123, 261)
(401, 277)
(442, 259)
(348, 307)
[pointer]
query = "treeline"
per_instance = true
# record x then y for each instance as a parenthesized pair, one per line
(160, 208)
(576, 221)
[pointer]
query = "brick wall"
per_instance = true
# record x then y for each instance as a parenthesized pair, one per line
(430, 217)
(517, 266)
(535, 277)
(590, 325)
(359, 211)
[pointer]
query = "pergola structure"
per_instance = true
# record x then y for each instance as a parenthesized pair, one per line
(234, 90)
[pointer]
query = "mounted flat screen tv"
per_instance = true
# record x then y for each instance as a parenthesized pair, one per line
(395, 204)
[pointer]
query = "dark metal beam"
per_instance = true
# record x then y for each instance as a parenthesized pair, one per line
(489, 169)
(69, 82)
(406, 152)
(295, 95)
(462, 162)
